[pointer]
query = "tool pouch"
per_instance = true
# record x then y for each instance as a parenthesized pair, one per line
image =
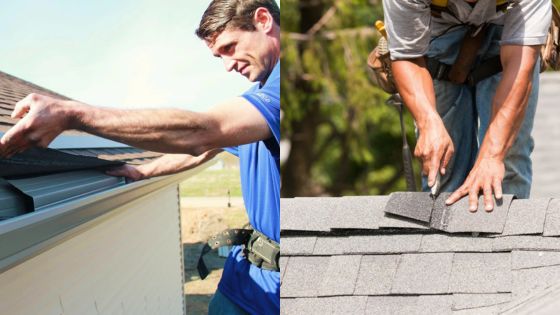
(550, 51)
(379, 61)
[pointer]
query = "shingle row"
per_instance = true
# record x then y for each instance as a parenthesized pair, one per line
(417, 211)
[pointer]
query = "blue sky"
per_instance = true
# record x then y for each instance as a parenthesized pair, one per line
(124, 53)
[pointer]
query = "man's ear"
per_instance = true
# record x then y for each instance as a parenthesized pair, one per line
(263, 20)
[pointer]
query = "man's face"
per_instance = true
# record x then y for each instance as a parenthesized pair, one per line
(251, 53)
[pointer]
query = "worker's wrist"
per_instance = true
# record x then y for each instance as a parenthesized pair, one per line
(74, 113)
(427, 120)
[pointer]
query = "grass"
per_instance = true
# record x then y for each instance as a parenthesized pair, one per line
(212, 183)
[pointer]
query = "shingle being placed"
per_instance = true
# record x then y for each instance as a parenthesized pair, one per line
(36, 161)
(414, 205)
(526, 216)
(423, 274)
(457, 217)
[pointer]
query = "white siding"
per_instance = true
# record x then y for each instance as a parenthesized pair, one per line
(127, 262)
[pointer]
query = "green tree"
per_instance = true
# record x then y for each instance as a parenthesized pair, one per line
(344, 139)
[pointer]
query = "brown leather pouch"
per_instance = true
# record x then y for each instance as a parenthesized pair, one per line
(550, 51)
(379, 61)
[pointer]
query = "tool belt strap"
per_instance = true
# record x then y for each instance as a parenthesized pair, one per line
(259, 250)
(488, 68)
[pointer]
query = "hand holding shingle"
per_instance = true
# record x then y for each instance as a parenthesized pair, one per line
(42, 118)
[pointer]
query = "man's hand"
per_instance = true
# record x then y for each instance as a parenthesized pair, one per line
(43, 118)
(486, 175)
(128, 171)
(434, 148)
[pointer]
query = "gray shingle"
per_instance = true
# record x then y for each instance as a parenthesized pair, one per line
(455, 243)
(376, 274)
(528, 281)
(437, 220)
(283, 263)
(316, 212)
(552, 221)
(460, 219)
(525, 242)
(526, 216)
(392, 221)
(423, 274)
(302, 276)
(481, 273)
(298, 245)
(331, 245)
(396, 305)
(487, 310)
(379, 244)
(325, 305)
(434, 304)
(534, 259)
(469, 301)
(340, 277)
(358, 212)
(414, 205)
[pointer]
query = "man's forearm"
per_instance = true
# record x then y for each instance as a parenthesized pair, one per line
(415, 86)
(174, 163)
(165, 130)
(510, 101)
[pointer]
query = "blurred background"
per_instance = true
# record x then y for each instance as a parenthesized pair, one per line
(339, 136)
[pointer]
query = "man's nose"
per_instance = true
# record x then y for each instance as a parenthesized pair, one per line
(229, 64)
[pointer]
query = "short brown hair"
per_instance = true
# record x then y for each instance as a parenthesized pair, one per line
(233, 13)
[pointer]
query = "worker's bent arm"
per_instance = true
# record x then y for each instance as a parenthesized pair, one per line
(508, 111)
(434, 146)
(163, 130)
(164, 165)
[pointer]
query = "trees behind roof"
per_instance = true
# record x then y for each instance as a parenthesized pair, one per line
(344, 139)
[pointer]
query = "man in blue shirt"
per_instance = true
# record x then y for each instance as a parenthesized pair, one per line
(245, 34)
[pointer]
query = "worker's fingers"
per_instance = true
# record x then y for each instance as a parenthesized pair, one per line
(488, 200)
(473, 198)
(433, 169)
(497, 186)
(456, 195)
(23, 106)
(446, 158)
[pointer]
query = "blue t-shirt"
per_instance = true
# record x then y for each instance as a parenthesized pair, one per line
(256, 290)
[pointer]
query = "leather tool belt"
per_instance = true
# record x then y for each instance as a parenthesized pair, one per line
(259, 250)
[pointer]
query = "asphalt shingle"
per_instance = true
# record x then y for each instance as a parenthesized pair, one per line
(324, 305)
(470, 301)
(391, 305)
(330, 245)
(283, 263)
(460, 219)
(414, 205)
(386, 244)
(423, 274)
(455, 243)
(525, 242)
(434, 304)
(299, 245)
(552, 221)
(527, 281)
(481, 273)
(293, 210)
(526, 216)
(340, 277)
(358, 212)
(392, 221)
(534, 259)
(376, 274)
(302, 276)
